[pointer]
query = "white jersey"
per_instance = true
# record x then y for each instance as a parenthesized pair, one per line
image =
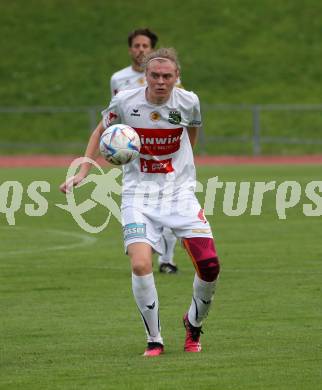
(128, 78)
(165, 165)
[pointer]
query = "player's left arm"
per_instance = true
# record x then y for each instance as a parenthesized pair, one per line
(195, 121)
(193, 135)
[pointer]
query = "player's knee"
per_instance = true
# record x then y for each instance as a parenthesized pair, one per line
(141, 258)
(141, 265)
(204, 256)
(208, 269)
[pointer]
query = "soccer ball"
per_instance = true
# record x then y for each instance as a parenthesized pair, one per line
(120, 144)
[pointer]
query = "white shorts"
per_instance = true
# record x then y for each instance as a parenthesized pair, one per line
(145, 223)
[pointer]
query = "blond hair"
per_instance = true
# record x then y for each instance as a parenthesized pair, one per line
(162, 54)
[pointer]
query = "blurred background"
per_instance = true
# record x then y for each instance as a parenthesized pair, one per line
(256, 67)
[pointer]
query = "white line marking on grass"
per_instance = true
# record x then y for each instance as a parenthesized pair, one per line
(85, 240)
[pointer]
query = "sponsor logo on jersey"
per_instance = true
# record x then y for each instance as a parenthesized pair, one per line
(158, 142)
(135, 112)
(155, 116)
(153, 166)
(134, 230)
(141, 81)
(174, 117)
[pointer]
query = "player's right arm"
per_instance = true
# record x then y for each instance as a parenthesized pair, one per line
(110, 117)
(92, 152)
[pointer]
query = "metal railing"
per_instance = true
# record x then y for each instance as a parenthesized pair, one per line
(255, 136)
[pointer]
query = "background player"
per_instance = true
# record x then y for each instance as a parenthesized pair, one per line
(142, 42)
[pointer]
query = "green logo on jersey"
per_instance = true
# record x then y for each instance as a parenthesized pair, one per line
(174, 117)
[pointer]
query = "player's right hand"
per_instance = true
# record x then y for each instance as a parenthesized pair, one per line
(70, 183)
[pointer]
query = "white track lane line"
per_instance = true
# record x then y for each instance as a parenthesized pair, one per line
(84, 240)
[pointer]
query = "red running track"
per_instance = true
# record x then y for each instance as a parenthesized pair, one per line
(64, 161)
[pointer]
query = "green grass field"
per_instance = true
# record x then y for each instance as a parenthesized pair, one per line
(68, 319)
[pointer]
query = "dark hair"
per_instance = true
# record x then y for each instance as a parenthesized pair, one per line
(143, 31)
